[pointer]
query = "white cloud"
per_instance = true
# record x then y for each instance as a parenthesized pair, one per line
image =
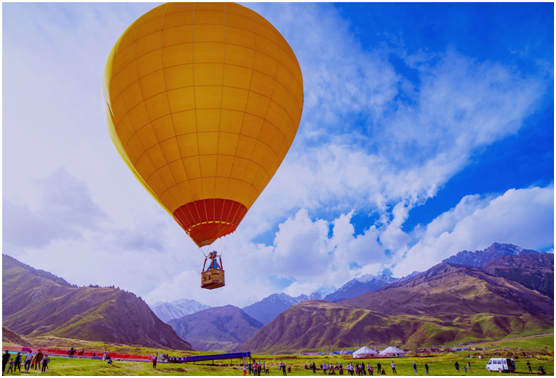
(523, 217)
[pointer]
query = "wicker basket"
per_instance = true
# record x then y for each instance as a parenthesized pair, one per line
(212, 279)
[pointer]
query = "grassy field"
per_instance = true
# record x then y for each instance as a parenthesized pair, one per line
(442, 364)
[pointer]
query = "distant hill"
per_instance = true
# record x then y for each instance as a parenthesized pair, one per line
(217, 328)
(10, 337)
(37, 272)
(534, 271)
(483, 257)
(267, 309)
(362, 285)
(448, 302)
(167, 311)
(36, 303)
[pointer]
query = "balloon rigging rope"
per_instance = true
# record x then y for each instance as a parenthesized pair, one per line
(229, 236)
(218, 248)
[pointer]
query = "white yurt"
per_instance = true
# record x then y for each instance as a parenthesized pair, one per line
(364, 353)
(392, 352)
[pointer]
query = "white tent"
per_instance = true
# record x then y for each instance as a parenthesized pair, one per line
(392, 352)
(364, 353)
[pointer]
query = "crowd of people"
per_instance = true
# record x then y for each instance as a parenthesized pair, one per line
(30, 361)
(257, 367)
(164, 358)
(358, 368)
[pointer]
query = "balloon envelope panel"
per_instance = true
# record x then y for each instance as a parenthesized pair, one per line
(203, 103)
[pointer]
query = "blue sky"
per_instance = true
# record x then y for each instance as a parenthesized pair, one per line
(427, 129)
(517, 34)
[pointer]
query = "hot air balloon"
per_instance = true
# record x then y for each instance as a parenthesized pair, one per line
(203, 101)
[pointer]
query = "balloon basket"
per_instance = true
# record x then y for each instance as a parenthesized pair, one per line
(212, 279)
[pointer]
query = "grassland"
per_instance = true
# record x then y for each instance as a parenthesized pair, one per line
(442, 364)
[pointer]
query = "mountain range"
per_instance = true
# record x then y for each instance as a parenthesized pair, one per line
(267, 309)
(483, 257)
(447, 303)
(493, 293)
(216, 329)
(35, 303)
(167, 311)
(362, 285)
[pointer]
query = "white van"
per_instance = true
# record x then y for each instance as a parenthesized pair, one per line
(501, 365)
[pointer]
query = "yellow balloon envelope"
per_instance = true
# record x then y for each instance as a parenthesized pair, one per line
(203, 103)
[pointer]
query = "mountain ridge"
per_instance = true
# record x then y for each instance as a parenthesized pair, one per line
(448, 302)
(176, 309)
(362, 285)
(482, 257)
(268, 308)
(33, 304)
(217, 328)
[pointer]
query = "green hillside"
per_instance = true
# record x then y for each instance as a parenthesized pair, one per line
(38, 303)
(445, 305)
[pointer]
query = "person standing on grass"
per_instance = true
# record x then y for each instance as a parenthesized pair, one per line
(427, 367)
(33, 361)
(28, 359)
(457, 366)
(18, 362)
(154, 361)
(378, 368)
(314, 368)
(38, 359)
(5, 359)
(529, 367)
(45, 361)
(414, 368)
(11, 366)
(469, 366)
(394, 368)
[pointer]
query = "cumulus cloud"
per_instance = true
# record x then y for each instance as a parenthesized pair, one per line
(523, 217)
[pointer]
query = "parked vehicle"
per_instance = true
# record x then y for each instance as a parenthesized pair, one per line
(501, 365)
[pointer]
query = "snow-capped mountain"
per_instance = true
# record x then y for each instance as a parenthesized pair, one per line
(316, 295)
(482, 258)
(268, 309)
(361, 285)
(167, 311)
